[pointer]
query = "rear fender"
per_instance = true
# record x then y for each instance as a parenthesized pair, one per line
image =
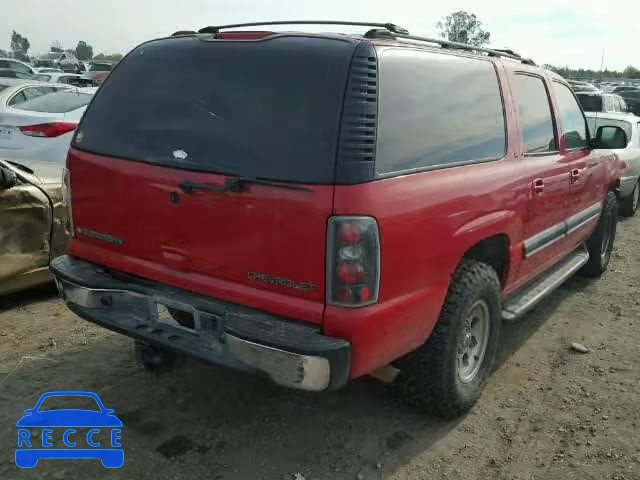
(504, 222)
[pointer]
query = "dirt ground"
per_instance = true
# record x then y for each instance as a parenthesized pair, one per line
(547, 412)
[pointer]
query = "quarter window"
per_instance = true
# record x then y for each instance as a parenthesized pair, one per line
(437, 110)
(534, 111)
(574, 125)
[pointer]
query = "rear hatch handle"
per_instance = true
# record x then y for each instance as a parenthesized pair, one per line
(236, 184)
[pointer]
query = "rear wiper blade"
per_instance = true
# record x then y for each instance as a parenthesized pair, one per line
(236, 184)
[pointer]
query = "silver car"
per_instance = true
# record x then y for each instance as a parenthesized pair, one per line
(630, 181)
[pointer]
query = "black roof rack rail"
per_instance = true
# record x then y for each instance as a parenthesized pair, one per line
(449, 44)
(388, 26)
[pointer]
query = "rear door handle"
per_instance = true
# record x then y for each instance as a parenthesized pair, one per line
(575, 175)
(538, 186)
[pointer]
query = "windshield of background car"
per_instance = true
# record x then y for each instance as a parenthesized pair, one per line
(590, 103)
(595, 123)
(58, 102)
(232, 107)
(65, 402)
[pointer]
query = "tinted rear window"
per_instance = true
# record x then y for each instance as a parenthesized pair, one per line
(58, 102)
(268, 109)
(590, 103)
(437, 109)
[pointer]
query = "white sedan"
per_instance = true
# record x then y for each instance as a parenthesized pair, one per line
(41, 128)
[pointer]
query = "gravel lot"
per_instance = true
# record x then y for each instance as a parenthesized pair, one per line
(547, 413)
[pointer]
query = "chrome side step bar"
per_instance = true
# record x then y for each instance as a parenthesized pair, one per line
(530, 295)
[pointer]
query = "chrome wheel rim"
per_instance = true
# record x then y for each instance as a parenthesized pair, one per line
(472, 345)
(636, 197)
(606, 236)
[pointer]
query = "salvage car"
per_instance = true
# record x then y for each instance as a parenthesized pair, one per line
(65, 61)
(32, 222)
(318, 207)
(628, 152)
(97, 72)
(602, 102)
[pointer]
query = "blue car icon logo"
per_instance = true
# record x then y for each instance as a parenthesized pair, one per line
(83, 433)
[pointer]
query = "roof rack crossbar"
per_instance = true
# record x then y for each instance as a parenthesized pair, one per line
(448, 43)
(389, 26)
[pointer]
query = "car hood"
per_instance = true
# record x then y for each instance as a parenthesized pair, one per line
(69, 418)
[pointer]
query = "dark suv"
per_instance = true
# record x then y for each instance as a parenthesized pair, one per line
(317, 207)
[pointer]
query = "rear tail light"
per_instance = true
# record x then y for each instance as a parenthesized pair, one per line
(66, 203)
(353, 261)
(48, 129)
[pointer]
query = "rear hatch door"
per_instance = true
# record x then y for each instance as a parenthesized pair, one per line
(181, 117)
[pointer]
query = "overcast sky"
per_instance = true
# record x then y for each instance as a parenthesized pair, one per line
(559, 32)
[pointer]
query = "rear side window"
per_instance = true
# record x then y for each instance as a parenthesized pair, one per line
(437, 110)
(590, 103)
(534, 111)
(268, 109)
(574, 124)
(58, 102)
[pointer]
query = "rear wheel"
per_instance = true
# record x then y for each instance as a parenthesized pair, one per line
(600, 244)
(448, 373)
(629, 205)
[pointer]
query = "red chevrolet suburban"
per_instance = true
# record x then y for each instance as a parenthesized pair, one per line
(317, 207)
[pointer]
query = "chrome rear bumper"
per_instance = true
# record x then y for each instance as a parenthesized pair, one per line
(292, 354)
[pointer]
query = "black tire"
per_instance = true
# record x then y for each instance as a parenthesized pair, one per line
(429, 377)
(600, 243)
(629, 205)
(154, 359)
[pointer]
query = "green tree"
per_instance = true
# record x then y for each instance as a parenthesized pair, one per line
(463, 27)
(631, 72)
(84, 51)
(19, 44)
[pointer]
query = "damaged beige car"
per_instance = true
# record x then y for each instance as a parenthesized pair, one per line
(32, 222)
